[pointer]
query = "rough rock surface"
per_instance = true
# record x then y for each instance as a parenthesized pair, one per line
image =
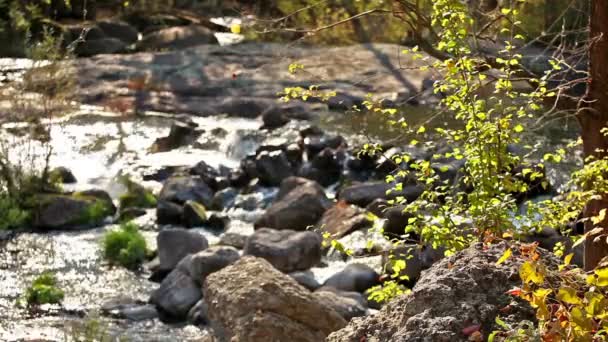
(175, 244)
(251, 301)
(342, 219)
(458, 292)
(297, 209)
(286, 250)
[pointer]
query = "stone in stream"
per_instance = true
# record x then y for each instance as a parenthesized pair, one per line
(464, 290)
(342, 219)
(251, 301)
(224, 198)
(169, 212)
(362, 194)
(347, 307)
(180, 134)
(193, 214)
(199, 265)
(306, 279)
(119, 30)
(177, 294)
(274, 118)
(182, 189)
(299, 204)
(63, 175)
(175, 244)
(355, 278)
(88, 48)
(69, 211)
(286, 250)
(178, 38)
(273, 167)
(235, 240)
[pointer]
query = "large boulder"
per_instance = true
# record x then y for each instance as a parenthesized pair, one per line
(273, 167)
(175, 244)
(251, 301)
(465, 290)
(297, 209)
(180, 37)
(286, 250)
(182, 189)
(69, 211)
(354, 278)
(342, 219)
(176, 295)
(199, 265)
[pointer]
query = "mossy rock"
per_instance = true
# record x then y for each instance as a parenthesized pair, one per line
(136, 197)
(68, 211)
(194, 214)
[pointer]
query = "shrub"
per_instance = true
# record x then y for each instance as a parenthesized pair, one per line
(11, 215)
(44, 290)
(125, 246)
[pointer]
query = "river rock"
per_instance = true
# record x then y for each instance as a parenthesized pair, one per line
(203, 263)
(417, 259)
(175, 244)
(235, 240)
(63, 175)
(306, 279)
(193, 214)
(274, 118)
(182, 189)
(198, 314)
(119, 30)
(354, 277)
(342, 219)
(286, 250)
(251, 301)
(345, 306)
(177, 38)
(362, 194)
(169, 212)
(273, 167)
(297, 209)
(224, 198)
(180, 134)
(177, 294)
(88, 48)
(69, 211)
(464, 290)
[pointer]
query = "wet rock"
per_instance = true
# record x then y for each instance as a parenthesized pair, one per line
(274, 118)
(101, 195)
(217, 222)
(63, 175)
(88, 48)
(345, 306)
(198, 313)
(131, 214)
(177, 294)
(342, 219)
(182, 189)
(207, 173)
(199, 265)
(119, 30)
(175, 244)
(325, 167)
(193, 214)
(306, 279)
(362, 194)
(458, 292)
(69, 212)
(396, 220)
(169, 213)
(235, 240)
(294, 154)
(180, 37)
(354, 277)
(251, 301)
(296, 209)
(273, 167)
(224, 199)
(163, 173)
(129, 309)
(180, 134)
(286, 250)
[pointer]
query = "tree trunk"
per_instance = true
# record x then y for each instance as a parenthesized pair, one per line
(595, 117)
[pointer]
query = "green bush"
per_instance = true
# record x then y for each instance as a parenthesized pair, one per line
(11, 215)
(125, 246)
(44, 290)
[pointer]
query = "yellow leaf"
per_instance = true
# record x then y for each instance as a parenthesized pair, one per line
(568, 295)
(506, 255)
(236, 29)
(539, 300)
(568, 259)
(530, 272)
(602, 276)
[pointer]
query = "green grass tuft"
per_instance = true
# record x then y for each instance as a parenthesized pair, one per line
(44, 290)
(125, 246)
